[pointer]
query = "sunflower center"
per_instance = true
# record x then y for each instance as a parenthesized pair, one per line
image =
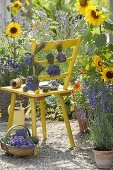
(13, 30)
(109, 74)
(99, 63)
(83, 3)
(16, 5)
(94, 14)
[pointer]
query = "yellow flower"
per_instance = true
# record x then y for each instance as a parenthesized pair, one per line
(27, 2)
(107, 74)
(16, 6)
(94, 16)
(33, 44)
(40, 24)
(13, 29)
(98, 63)
(82, 5)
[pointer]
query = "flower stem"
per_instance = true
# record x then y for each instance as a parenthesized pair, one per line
(14, 48)
(100, 29)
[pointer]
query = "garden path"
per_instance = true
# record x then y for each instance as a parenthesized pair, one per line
(55, 153)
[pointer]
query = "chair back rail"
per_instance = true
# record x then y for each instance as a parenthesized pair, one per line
(52, 45)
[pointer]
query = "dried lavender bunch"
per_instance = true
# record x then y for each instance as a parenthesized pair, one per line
(50, 58)
(53, 70)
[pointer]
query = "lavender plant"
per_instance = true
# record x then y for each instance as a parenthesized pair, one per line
(100, 97)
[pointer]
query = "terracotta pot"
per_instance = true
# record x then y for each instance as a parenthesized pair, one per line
(103, 159)
(82, 124)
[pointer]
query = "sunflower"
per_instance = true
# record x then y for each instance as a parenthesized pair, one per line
(98, 63)
(13, 29)
(82, 5)
(16, 6)
(107, 74)
(94, 16)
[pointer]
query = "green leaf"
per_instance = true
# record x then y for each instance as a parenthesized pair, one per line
(110, 46)
(108, 26)
(100, 40)
(87, 37)
(52, 27)
(90, 50)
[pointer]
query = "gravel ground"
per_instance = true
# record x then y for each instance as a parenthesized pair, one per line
(55, 153)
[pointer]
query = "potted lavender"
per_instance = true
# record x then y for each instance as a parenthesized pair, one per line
(100, 98)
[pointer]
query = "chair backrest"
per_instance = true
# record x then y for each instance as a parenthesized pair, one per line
(71, 44)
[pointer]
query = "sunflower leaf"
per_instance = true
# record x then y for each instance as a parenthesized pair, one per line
(108, 26)
(100, 40)
(110, 46)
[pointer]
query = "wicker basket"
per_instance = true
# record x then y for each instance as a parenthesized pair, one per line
(17, 151)
(20, 151)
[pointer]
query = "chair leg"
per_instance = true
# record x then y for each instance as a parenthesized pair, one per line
(66, 120)
(33, 116)
(11, 111)
(43, 118)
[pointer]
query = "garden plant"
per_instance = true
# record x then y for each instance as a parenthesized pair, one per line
(92, 77)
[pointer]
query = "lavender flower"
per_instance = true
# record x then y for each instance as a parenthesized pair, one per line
(61, 57)
(10, 61)
(100, 98)
(28, 60)
(16, 67)
(1, 62)
(53, 70)
(32, 83)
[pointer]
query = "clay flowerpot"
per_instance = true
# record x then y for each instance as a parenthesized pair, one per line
(82, 124)
(103, 159)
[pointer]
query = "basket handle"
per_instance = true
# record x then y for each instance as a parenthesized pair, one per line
(9, 130)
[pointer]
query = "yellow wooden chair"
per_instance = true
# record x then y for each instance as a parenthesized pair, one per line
(64, 90)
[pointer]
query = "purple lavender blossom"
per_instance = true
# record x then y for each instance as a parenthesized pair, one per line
(32, 83)
(10, 61)
(28, 60)
(16, 67)
(100, 97)
(1, 62)
(53, 70)
(61, 57)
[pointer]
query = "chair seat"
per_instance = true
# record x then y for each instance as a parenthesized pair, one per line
(40, 94)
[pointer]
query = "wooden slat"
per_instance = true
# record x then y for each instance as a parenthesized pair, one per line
(47, 77)
(65, 44)
(55, 61)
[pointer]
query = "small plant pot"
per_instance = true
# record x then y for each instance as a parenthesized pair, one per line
(103, 159)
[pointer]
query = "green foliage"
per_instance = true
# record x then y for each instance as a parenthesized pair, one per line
(101, 132)
(54, 111)
(108, 25)
(51, 6)
(98, 97)
(100, 40)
